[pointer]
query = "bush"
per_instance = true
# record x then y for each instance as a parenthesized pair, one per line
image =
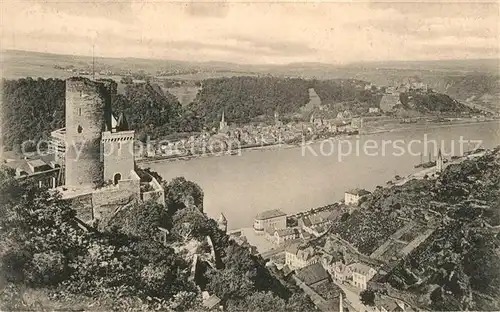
(367, 297)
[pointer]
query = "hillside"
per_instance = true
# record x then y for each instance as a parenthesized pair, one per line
(244, 98)
(431, 102)
(33, 108)
(458, 266)
(46, 258)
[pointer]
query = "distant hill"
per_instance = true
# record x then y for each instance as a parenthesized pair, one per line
(26, 63)
(473, 82)
(474, 65)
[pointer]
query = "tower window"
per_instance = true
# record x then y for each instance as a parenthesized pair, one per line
(79, 129)
(119, 145)
(79, 111)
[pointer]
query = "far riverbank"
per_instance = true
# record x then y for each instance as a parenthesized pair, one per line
(400, 128)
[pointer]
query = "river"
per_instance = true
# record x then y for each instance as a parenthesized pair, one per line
(298, 178)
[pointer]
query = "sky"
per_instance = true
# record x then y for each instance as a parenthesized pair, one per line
(256, 32)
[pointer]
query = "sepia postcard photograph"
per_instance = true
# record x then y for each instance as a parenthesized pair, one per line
(264, 155)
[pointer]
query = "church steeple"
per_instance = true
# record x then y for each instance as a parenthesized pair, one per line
(439, 162)
(222, 123)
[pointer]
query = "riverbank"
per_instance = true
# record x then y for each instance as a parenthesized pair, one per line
(238, 152)
(427, 125)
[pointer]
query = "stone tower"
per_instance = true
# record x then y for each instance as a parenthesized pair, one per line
(88, 107)
(118, 147)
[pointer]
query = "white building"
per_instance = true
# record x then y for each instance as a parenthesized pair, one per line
(297, 258)
(361, 274)
(57, 144)
(352, 197)
(282, 235)
(269, 220)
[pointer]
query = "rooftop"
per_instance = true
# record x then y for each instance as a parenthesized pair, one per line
(301, 253)
(211, 302)
(287, 232)
(358, 192)
(275, 213)
(316, 218)
(28, 165)
(36, 163)
(360, 268)
(312, 274)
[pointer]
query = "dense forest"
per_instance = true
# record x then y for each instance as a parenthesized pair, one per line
(34, 108)
(244, 98)
(43, 251)
(153, 112)
(31, 110)
(431, 102)
(337, 91)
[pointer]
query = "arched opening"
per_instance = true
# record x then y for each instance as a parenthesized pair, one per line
(79, 129)
(117, 177)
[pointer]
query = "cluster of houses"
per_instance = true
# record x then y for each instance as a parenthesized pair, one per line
(231, 138)
(274, 226)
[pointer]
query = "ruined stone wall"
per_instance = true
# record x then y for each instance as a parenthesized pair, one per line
(87, 104)
(158, 195)
(107, 201)
(83, 206)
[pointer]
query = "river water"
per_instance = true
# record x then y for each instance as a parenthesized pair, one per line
(300, 178)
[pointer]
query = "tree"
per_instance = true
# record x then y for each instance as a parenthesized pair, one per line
(178, 194)
(403, 98)
(259, 302)
(367, 297)
(300, 302)
(142, 219)
(126, 80)
(229, 284)
(191, 223)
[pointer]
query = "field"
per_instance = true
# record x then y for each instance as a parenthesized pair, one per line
(392, 251)
(314, 101)
(185, 94)
(210, 74)
(412, 233)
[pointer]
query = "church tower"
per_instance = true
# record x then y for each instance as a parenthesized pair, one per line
(439, 162)
(222, 123)
(88, 104)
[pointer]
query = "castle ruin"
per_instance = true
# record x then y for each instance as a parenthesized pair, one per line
(100, 177)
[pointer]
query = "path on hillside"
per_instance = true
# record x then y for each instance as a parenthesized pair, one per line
(394, 237)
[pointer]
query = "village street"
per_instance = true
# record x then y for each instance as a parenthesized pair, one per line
(352, 295)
